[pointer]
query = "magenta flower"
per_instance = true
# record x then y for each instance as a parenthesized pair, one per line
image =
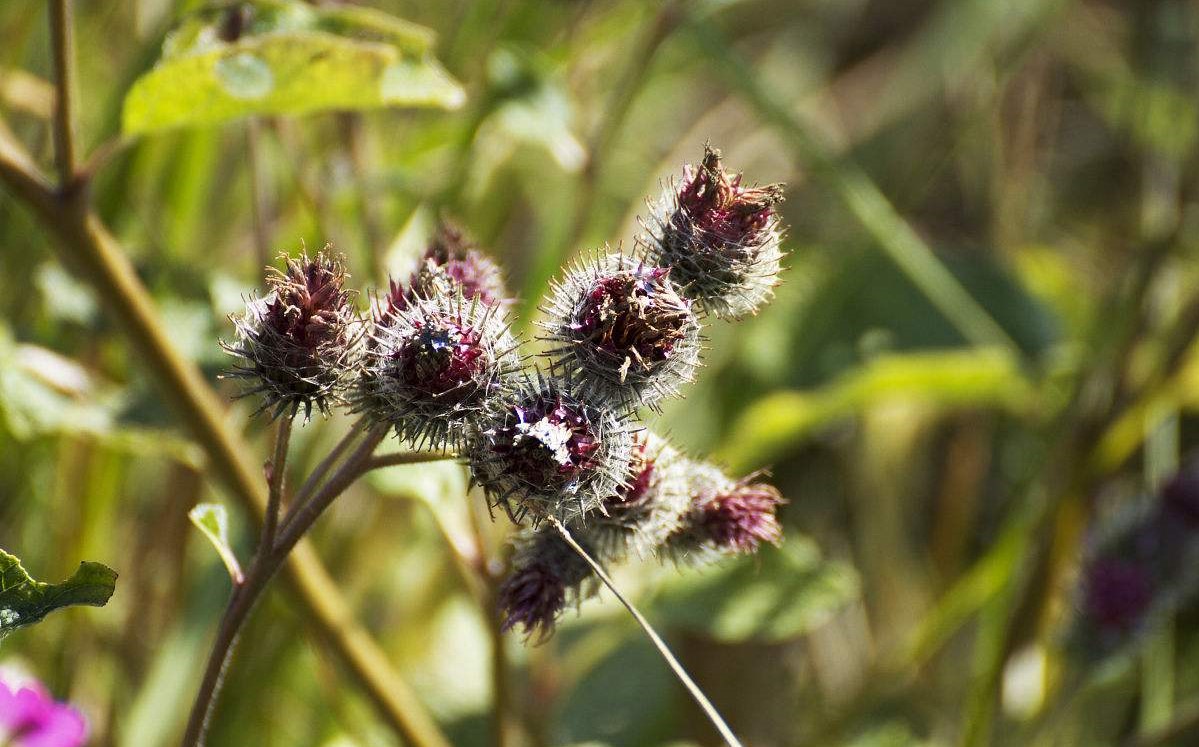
(30, 717)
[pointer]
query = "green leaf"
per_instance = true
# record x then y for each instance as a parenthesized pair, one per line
(24, 601)
(213, 520)
(775, 596)
(290, 59)
(955, 378)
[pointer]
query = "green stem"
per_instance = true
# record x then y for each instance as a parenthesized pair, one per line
(62, 41)
(270, 558)
(702, 700)
(275, 472)
(86, 246)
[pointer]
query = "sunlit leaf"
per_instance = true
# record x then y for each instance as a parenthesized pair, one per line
(24, 601)
(213, 520)
(286, 58)
(779, 420)
(777, 595)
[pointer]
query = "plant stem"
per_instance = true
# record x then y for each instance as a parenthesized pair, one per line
(62, 40)
(318, 473)
(400, 458)
(270, 558)
(89, 250)
(275, 471)
(702, 700)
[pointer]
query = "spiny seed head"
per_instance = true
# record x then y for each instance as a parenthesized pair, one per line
(542, 450)
(623, 331)
(450, 264)
(546, 574)
(298, 345)
(432, 367)
(648, 508)
(720, 238)
(726, 516)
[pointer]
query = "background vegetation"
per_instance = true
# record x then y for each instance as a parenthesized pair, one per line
(982, 349)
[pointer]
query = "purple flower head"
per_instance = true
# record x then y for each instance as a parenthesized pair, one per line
(623, 331)
(298, 344)
(434, 365)
(648, 508)
(532, 597)
(719, 237)
(30, 717)
(542, 450)
(725, 516)
(741, 518)
(450, 265)
(1117, 594)
(546, 573)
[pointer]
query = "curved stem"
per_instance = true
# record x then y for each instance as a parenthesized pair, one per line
(697, 694)
(318, 473)
(269, 559)
(405, 457)
(88, 249)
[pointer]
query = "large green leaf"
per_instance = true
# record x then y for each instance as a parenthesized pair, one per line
(775, 596)
(24, 601)
(286, 58)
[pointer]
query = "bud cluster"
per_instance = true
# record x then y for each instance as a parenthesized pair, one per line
(436, 360)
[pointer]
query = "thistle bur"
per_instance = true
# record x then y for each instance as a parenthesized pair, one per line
(451, 264)
(543, 450)
(546, 576)
(623, 331)
(649, 507)
(297, 346)
(726, 516)
(433, 365)
(720, 238)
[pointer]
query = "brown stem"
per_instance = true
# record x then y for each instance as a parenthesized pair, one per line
(62, 41)
(86, 246)
(275, 471)
(270, 558)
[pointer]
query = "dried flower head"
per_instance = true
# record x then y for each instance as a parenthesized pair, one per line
(648, 508)
(30, 717)
(720, 238)
(726, 516)
(546, 574)
(543, 450)
(433, 366)
(451, 263)
(623, 331)
(298, 345)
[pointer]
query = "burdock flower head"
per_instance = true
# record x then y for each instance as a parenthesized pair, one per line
(726, 516)
(649, 507)
(297, 346)
(622, 330)
(434, 365)
(451, 264)
(719, 237)
(546, 575)
(543, 450)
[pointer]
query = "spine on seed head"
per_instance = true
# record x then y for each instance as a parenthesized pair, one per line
(298, 346)
(623, 331)
(721, 238)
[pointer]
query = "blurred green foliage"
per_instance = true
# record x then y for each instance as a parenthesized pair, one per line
(982, 349)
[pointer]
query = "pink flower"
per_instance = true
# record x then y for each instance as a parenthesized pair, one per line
(30, 717)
